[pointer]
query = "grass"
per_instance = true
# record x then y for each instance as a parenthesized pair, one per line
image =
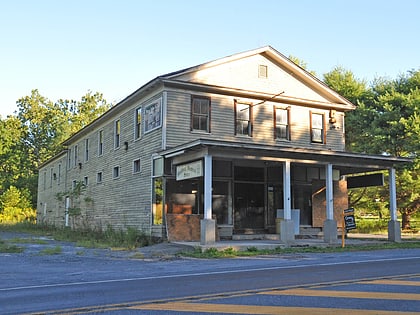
(253, 251)
(31, 240)
(51, 251)
(7, 248)
(128, 239)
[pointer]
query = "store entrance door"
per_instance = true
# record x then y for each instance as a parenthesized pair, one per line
(249, 207)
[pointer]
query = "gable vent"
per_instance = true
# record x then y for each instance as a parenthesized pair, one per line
(262, 71)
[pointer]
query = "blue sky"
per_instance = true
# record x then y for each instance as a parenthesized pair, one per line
(66, 48)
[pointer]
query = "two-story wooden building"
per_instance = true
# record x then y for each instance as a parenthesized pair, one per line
(246, 144)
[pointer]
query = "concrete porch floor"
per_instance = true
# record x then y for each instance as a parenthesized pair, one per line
(273, 243)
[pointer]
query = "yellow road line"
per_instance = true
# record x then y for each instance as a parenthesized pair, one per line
(347, 294)
(259, 310)
(393, 282)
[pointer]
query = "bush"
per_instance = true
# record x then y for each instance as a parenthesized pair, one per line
(15, 206)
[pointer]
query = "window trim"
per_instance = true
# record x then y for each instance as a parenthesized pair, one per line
(99, 177)
(113, 172)
(100, 142)
(250, 121)
(139, 166)
(288, 128)
(323, 130)
(138, 124)
(192, 114)
(76, 155)
(86, 150)
(117, 133)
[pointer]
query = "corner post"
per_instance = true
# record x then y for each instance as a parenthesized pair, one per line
(394, 228)
(330, 225)
(207, 225)
(287, 232)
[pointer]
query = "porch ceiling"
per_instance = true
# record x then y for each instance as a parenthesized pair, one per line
(346, 162)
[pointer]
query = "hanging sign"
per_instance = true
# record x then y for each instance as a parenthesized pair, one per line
(189, 170)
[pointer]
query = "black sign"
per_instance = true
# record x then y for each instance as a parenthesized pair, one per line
(365, 180)
(349, 220)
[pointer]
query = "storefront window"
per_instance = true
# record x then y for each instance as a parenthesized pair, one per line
(157, 200)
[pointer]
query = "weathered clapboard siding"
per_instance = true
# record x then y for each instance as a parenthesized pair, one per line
(48, 188)
(222, 123)
(243, 74)
(118, 202)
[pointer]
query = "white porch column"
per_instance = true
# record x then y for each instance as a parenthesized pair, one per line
(330, 225)
(207, 186)
(208, 225)
(287, 232)
(329, 191)
(286, 191)
(394, 228)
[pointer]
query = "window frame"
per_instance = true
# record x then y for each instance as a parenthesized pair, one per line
(138, 123)
(99, 177)
(117, 134)
(135, 170)
(86, 150)
(118, 169)
(275, 122)
(250, 119)
(200, 115)
(76, 155)
(322, 131)
(100, 142)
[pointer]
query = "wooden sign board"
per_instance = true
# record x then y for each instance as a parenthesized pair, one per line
(349, 220)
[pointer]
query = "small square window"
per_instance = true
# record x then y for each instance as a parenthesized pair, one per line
(136, 166)
(116, 172)
(262, 71)
(86, 180)
(99, 177)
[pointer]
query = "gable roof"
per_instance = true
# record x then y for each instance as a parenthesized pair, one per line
(272, 54)
(175, 79)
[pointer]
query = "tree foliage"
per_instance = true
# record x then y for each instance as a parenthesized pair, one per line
(36, 133)
(386, 121)
(15, 206)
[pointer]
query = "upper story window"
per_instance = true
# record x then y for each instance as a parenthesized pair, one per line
(69, 159)
(243, 119)
(152, 115)
(317, 128)
(281, 123)
(76, 153)
(59, 174)
(116, 172)
(137, 123)
(200, 113)
(86, 150)
(117, 133)
(100, 142)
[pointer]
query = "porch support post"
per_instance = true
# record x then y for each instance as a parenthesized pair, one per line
(287, 232)
(330, 225)
(208, 225)
(394, 228)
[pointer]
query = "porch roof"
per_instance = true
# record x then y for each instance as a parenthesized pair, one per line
(346, 162)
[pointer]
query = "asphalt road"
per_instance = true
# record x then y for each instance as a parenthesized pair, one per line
(97, 282)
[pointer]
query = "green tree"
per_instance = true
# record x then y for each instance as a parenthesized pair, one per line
(15, 206)
(386, 121)
(356, 91)
(41, 127)
(12, 168)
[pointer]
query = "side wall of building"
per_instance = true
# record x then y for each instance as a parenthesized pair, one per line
(115, 180)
